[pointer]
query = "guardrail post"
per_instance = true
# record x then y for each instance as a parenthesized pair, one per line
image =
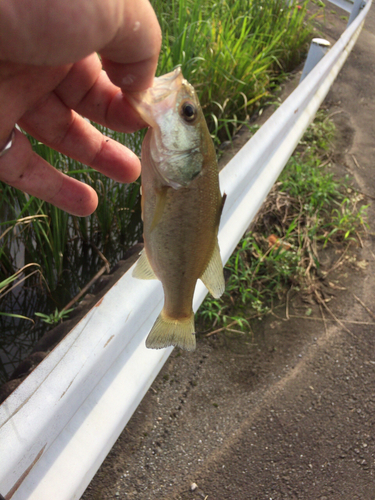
(358, 5)
(318, 48)
(346, 5)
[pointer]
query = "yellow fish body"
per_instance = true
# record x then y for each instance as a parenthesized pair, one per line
(181, 206)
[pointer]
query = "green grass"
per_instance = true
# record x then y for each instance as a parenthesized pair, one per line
(67, 251)
(241, 47)
(235, 53)
(307, 210)
(54, 318)
(51, 236)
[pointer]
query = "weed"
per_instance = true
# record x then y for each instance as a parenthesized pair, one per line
(346, 221)
(242, 49)
(306, 210)
(16, 280)
(55, 317)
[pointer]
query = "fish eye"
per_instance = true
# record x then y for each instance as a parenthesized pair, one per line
(188, 111)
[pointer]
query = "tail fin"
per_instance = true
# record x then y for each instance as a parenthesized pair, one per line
(169, 331)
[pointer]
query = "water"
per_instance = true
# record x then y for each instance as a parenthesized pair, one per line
(80, 262)
(63, 252)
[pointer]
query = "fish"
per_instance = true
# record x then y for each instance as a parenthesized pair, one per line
(181, 205)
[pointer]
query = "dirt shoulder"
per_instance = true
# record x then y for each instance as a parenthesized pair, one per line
(289, 412)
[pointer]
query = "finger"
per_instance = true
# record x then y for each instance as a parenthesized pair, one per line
(64, 130)
(21, 86)
(88, 90)
(122, 31)
(25, 170)
(131, 77)
(73, 29)
(133, 69)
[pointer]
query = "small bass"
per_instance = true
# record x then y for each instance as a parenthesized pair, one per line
(181, 206)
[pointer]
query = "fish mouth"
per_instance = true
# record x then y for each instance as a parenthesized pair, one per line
(161, 96)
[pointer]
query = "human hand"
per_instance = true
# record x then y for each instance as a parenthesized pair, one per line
(51, 77)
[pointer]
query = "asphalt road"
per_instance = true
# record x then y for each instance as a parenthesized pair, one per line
(290, 412)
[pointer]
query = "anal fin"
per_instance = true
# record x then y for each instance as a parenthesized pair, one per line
(213, 276)
(143, 269)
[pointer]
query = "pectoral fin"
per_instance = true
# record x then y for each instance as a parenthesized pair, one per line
(143, 269)
(161, 200)
(213, 276)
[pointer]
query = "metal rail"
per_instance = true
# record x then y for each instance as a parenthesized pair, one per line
(60, 423)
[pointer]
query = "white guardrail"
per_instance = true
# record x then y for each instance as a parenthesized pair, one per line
(58, 426)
